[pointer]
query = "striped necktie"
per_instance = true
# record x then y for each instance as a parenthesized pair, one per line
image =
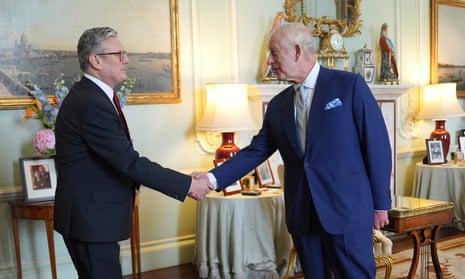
(302, 109)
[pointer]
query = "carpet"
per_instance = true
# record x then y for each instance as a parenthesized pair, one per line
(451, 256)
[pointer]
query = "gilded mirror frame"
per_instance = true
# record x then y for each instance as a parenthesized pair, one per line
(435, 43)
(295, 12)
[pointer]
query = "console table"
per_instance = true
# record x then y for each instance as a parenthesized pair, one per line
(44, 211)
(444, 183)
(422, 220)
(244, 236)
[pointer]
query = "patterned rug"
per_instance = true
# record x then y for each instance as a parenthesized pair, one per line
(451, 256)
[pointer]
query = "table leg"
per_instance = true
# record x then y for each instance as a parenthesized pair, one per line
(17, 246)
(434, 252)
(51, 246)
(426, 237)
(416, 254)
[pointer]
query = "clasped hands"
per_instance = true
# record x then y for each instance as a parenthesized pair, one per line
(200, 186)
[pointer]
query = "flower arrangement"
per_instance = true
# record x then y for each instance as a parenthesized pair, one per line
(46, 110)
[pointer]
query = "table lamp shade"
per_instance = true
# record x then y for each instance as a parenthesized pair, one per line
(440, 102)
(227, 111)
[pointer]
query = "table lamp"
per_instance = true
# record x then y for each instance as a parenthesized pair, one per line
(440, 102)
(227, 111)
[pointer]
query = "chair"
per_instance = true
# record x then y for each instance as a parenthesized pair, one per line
(382, 248)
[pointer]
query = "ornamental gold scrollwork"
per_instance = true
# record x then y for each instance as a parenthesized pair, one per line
(347, 20)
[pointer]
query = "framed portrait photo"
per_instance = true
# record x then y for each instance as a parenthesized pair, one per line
(435, 152)
(234, 188)
(265, 174)
(461, 142)
(39, 178)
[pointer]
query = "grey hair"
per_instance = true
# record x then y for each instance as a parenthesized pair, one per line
(295, 33)
(91, 42)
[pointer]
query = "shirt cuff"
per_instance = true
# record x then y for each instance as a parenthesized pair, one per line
(212, 179)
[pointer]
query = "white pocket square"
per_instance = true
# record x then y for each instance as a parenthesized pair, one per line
(334, 103)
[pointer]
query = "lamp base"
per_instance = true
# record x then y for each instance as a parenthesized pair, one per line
(440, 133)
(227, 148)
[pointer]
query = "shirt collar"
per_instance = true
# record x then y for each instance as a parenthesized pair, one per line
(310, 80)
(102, 85)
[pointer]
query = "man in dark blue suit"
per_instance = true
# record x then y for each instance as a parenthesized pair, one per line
(337, 174)
(98, 169)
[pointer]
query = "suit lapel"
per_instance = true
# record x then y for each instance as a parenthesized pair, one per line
(289, 116)
(317, 107)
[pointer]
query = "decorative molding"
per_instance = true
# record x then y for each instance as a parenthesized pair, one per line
(10, 193)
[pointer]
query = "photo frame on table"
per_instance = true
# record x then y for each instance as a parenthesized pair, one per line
(461, 142)
(265, 175)
(39, 178)
(435, 152)
(232, 189)
(40, 52)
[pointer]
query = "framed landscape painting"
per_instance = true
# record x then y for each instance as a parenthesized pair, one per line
(38, 43)
(448, 43)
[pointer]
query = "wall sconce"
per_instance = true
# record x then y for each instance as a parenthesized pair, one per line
(227, 111)
(439, 103)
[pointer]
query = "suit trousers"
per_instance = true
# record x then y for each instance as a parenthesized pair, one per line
(95, 260)
(341, 256)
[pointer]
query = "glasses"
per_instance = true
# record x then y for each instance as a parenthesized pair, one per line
(121, 54)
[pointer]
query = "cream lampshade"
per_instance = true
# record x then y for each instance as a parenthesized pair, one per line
(440, 102)
(227, 111)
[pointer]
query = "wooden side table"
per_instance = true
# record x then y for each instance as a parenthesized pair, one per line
(44, 211)
(33, 211)
(422, 220)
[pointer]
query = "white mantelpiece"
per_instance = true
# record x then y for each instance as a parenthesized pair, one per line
(386, 95)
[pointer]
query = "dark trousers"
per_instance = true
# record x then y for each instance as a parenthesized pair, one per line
(95, 260)
(344, 256)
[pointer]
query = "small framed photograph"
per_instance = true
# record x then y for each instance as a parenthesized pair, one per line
(435, 152)
(461, 141)
(39, 178)
(234, 188)
(265, 174)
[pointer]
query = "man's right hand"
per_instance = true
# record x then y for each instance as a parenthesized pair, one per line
(200, 186)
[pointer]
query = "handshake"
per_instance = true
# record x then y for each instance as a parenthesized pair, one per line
(200, 186)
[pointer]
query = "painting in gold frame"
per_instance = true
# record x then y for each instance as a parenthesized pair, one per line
(447, 41)
(36, 48)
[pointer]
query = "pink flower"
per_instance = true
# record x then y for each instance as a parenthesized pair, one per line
(44, 142)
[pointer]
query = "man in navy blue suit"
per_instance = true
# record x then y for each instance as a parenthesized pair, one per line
(337, 174)
(98, 169)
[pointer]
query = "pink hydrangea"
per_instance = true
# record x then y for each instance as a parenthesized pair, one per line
(44, 141)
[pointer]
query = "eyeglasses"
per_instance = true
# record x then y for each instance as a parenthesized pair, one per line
(121, 54)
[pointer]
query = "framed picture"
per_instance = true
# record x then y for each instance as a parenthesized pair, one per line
(35, 49)
(234, 188)
(461, 142)
(462, 132)
(435, 152)
(448, 43)
(39, 178)
(265, 174)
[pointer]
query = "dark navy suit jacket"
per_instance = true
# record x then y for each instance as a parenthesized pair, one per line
(346, 167)
(98, 169)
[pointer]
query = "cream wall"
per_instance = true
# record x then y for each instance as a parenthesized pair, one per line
(220, 41)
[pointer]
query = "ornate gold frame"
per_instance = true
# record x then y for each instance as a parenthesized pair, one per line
(135, 98)
(321, 25)
(434, 37)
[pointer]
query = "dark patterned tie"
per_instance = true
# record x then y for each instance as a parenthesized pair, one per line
(121, 115)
